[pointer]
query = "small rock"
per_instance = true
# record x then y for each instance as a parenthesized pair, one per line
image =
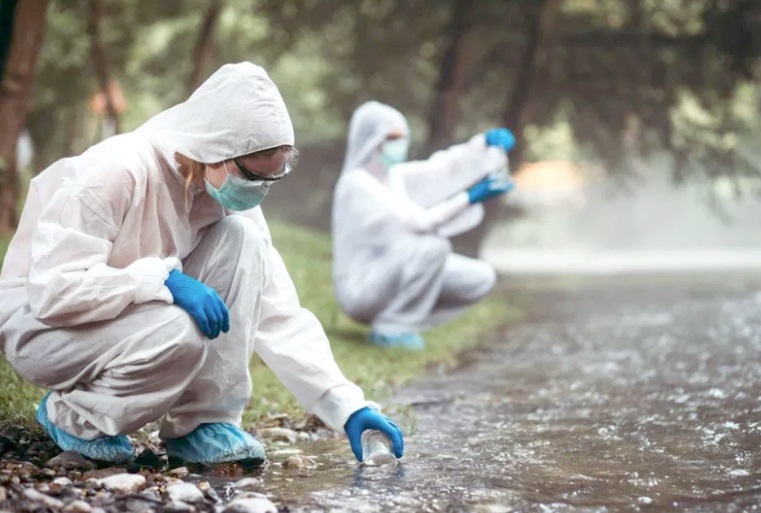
(251, 505)
(154, 438)
(78, 507)
(70, 460)
(49, 502)
(160, 478)
(3, 494)
(299, 462)
(150, 495)
(136, 504)
(204, 486)
(125, 483)
(492, 508)
(42, 487)
(278, 434)
(62, 481)
(178, 507)
(179, 472)
(48, 472)
(248, 484)
(286, 452)
(212, 495)
(184, 492)
(104, 472)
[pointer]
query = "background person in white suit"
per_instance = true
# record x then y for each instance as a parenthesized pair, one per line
(393, 264)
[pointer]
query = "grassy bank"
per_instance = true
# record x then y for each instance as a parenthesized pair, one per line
(376, 370)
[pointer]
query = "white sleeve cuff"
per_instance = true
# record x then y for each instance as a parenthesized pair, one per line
(151, 273)
(336, 405)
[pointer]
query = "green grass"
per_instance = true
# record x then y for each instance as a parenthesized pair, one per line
(377, 371)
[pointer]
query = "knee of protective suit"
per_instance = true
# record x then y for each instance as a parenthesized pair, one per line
(489, 279)
(187, 350)
(480, 281)
(241, 233)
(434, 250)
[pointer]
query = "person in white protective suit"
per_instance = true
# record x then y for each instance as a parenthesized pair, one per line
(142, 279)
(393, 264)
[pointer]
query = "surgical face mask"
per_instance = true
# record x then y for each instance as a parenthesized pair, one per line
(237, 193)
(394, 152)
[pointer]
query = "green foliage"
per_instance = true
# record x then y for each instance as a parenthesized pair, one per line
(620, 73)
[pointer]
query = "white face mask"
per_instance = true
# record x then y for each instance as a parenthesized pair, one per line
(394, 152)
(237, 193)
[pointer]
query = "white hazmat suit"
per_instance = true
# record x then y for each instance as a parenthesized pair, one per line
(393, 264)
(84, 310)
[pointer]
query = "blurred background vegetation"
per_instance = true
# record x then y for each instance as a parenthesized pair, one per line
(603, 82)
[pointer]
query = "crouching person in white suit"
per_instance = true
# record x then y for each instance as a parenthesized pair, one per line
(142, 279)
(393, 266)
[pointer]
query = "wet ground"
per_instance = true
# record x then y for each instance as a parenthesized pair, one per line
(627, 394)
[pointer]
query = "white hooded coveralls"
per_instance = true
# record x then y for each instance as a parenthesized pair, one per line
(83, 306)
(393, 266)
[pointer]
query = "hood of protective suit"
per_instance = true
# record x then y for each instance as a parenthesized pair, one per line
(370, 125)
(237, 111)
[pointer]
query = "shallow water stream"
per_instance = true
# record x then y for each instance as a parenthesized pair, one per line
(628, 394)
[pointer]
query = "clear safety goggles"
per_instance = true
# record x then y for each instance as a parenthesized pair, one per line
(255, 177)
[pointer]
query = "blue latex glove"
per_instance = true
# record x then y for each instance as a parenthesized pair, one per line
(364, 419)
(501, 137)
(488, 188)
(200, 301)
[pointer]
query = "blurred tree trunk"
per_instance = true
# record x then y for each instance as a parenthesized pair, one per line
(7, 8)
(532, 67)
(26, 35)
(455, 71)
(204, 48)
(99, 61)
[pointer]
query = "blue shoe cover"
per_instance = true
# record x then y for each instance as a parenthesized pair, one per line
(216, 442)
(408, 340)
(115, 449)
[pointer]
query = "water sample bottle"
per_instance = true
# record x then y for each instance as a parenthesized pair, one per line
(498, 164)
(376, 449)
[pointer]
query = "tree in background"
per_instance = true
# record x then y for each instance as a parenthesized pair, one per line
(455, 74)
(624, 77)
(204, 47)
(25, 34)
(101, 65)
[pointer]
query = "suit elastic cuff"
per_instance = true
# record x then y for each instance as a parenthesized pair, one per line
(337, 404)
(151, 273)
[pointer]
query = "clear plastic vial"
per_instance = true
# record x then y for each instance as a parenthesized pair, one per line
(376, 449)
(498, 164)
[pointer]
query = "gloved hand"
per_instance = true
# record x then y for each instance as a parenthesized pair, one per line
(366, 418)
(501, 137)
(488, 188)
(200, 301)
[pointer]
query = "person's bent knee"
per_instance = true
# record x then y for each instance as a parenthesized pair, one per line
(241, 232)
(488, 280)
(188, 349)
